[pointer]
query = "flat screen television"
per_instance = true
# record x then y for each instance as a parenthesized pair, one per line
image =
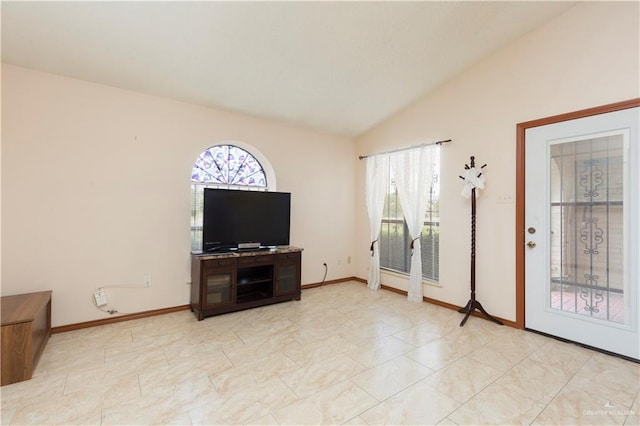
(235, 219)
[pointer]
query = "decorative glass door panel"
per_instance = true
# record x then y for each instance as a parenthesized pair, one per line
(587, 222)
(218, 289)
(219, 279)
(287, 279)
(582, 209)
(287, 274)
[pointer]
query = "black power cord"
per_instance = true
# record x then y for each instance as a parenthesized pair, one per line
(326, 269)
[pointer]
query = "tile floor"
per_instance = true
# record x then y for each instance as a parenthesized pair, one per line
(342, 355)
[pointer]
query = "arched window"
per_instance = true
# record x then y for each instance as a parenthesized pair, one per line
(224, 166)
(228, 165)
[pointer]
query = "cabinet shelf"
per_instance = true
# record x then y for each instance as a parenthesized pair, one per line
(287, 277)
(253, 296)
(249, 281)
(214, 280)
(226, 283)
(217, 288)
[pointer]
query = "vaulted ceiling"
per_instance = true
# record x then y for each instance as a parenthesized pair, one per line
(338, 67)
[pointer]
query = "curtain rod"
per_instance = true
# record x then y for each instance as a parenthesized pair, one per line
(361, 157)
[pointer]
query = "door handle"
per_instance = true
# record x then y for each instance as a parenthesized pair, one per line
(531, 244)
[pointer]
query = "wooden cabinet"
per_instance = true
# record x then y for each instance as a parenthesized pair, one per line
(26, 327)
(231, 282)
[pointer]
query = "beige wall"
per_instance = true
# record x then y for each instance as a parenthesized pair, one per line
(586, 57)
(96, 191)
(95, 180)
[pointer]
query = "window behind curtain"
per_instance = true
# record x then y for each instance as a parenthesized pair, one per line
(395, 240)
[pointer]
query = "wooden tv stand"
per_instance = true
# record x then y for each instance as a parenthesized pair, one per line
(230, 282)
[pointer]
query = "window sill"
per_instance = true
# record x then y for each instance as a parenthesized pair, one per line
(405, 275)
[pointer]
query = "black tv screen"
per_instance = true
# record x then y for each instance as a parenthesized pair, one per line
(234, 217)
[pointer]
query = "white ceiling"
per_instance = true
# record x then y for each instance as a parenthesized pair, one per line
(338, 67)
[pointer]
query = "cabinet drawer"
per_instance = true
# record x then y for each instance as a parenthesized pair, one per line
(290, 256)
(255, 260)
(214, 263)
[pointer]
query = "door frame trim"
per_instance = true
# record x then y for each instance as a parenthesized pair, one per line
(520, 187)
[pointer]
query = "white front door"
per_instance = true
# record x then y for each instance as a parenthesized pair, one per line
(582, 232)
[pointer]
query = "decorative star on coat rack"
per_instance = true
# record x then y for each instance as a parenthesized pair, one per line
(473, 179)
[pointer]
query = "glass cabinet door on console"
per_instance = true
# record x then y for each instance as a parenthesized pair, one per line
(288, 274)
(219, 277)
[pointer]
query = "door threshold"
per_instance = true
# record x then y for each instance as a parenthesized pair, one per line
(593, 348)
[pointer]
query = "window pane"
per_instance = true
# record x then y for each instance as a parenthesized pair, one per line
(197, 208)
(393, 245)
(394, 233)
(587, 220)
(228, 164)
(430, 240)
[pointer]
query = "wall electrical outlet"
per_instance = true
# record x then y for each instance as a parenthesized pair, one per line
(147, 280)
(100, 296)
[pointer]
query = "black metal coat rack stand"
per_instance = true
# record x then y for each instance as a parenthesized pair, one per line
(473, 304)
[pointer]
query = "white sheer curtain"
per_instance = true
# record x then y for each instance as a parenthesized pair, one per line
(413, 172)
(377, 175)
